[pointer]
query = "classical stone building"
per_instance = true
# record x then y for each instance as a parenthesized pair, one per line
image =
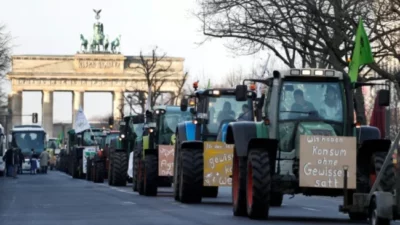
(82, 73)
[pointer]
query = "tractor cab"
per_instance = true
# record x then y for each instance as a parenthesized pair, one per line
(214, 109)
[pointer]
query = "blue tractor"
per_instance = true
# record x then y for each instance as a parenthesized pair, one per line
(200, 143)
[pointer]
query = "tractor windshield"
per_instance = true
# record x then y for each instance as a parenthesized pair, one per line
(168, 124)
(87, 140)
(310, 100)
(225, 109)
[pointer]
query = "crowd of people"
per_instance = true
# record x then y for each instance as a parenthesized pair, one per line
(14, 159)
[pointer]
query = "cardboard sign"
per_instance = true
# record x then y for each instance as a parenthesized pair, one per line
(218, 159)
(166, 160)
(322, 159)
(88, 152)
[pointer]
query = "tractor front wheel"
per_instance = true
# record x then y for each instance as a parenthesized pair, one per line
(191, 176)
(98, 172)
(150, 175)
(239, 185)
(258, 184)
(119, 168)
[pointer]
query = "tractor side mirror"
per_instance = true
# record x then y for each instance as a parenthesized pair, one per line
(241, 93)
(92, 137)
(260, 102)
(184, 104)
(384, 97)
(149, 115)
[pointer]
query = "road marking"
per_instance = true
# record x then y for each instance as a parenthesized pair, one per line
(128, 203)
(310, 209)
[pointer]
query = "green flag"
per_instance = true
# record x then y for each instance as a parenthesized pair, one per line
(362, 54)
(209, 84)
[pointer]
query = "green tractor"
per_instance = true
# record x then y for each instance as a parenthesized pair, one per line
(82, 146)
(308, 143)
(203, 161)
(154, 158)
(131, 129)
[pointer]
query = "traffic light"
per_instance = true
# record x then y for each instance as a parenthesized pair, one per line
(34, 117)
(110, 121)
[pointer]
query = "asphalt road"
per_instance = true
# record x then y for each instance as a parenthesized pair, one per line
(56, 198)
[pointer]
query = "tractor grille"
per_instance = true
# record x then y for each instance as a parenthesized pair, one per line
(321, 132)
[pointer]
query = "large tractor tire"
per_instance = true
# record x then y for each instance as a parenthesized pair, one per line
(258, 184)
(176, 177)
(88, 170)
(140, 181)
(135, 172)
(110, 173)
(239, 174)
(98, 176)
(119, 166)
(191, 176)
(210, 192)
(388, 180)
(150, 175)
(74, 170)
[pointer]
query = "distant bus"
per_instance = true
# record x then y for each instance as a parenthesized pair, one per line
(26, 138)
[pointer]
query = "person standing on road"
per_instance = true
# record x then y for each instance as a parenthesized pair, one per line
(33, 162)
(21, 161)
(44, 161)
(12, 159)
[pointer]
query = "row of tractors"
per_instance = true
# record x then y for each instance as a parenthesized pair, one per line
(263, 146)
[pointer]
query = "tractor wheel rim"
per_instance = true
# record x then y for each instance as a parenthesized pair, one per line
(249, 186)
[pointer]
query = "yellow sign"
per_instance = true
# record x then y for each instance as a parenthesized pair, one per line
(323, 158)
(218, 158)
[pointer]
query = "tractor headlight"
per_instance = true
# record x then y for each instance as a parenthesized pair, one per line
(151, 130)
(216, 92)
(122, 135)
(306, 72)
(319, 73)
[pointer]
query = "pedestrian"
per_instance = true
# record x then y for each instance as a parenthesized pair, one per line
(21, 161)
(11, 158)
(44, 161)
(33, 162)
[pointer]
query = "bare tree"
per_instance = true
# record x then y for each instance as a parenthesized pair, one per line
(320, 32)
(5, 58)
(156, 71)
(180, 84)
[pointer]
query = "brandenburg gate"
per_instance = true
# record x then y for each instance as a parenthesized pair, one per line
(96, 70)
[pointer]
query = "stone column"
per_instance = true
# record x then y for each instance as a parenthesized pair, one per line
(77, 102)
(47, 113)
(16, 108)
(118, 102)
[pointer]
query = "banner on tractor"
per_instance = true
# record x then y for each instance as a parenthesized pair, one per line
(323, 159)
(81, 123)
(166, 160)
(218, 159)
(87, 153)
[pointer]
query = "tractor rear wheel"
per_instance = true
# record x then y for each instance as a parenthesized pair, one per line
(150, 175)
(191, 176)
(258, 184)
(210, 192)
(239, 174)
(110, 172)
(388, 180)
(99, 172)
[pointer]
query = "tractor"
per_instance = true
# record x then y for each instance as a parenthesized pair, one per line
(118, 154)
(155, 158)
(81, 146)
(202, 160)
(100, 161)
(308, 142)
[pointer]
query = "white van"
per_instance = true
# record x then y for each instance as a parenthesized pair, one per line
(2, 151)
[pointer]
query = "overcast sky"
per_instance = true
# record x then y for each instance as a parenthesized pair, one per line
(54, 26)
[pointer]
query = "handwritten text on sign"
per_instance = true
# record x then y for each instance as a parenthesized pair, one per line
(166, 160)
(218, 158)
(322, 159)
